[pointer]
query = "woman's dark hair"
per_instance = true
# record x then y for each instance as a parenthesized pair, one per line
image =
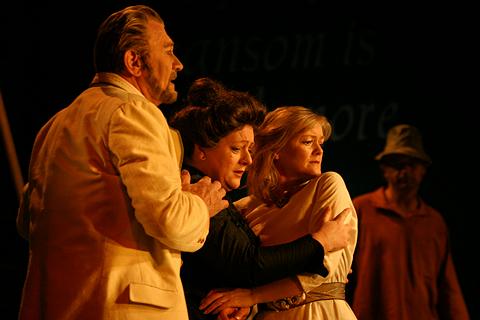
(213, 112)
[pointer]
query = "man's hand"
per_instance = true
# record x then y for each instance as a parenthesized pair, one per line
(211, 192)
(334, 234)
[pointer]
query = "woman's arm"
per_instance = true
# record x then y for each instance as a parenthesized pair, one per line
(217, 300)
(235, 253)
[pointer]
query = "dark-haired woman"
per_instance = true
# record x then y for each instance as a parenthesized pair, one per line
(217, 129)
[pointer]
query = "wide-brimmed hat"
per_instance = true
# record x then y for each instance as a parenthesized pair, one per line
(404, 139)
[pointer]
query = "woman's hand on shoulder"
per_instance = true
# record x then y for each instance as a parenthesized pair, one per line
(334, 233)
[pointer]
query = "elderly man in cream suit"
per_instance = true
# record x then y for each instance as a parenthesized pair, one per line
(106, 210)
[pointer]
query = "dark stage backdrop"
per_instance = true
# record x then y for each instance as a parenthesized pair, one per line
(365, 68)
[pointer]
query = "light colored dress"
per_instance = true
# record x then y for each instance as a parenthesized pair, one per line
(297, 218)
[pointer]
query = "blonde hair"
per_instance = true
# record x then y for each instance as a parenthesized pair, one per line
(278, 128)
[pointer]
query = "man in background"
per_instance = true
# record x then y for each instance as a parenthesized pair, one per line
(403, 267)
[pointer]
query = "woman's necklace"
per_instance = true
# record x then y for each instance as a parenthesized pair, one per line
(281, 197)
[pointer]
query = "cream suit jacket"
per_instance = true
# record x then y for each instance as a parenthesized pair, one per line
(105, 213)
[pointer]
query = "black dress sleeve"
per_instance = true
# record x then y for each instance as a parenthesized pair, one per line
(241, 249)
(233, 257)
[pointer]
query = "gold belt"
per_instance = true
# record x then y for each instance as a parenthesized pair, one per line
(326, 291)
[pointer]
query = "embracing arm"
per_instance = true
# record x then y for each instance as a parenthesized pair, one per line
(220, 299)
(275, 262)
(235, 253)
(332, 234)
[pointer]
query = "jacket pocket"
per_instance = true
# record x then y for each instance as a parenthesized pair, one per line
(147, 294)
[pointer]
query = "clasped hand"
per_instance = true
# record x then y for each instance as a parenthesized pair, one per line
(228, 304)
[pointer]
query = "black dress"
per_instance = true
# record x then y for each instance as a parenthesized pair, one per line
(233, 258)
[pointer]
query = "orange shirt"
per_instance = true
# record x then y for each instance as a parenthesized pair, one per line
(403, 267)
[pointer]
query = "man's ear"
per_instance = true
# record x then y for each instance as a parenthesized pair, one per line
(200, 152)
(133, 62)
(203, 155)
